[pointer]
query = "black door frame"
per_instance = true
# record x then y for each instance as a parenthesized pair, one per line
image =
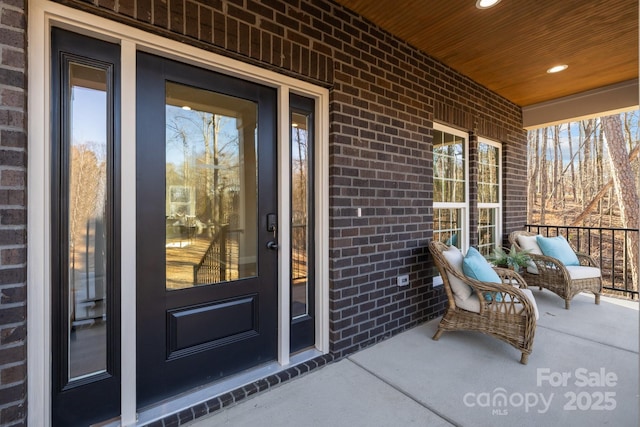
(303, 328)
(95, 398)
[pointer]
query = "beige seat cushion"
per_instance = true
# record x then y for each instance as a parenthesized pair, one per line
(470, 304)
(577, 272)
(473, 304)
(530, 297)
(460, 289)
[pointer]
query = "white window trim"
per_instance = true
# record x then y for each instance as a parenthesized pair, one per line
(498, 205)
(42, 16)
(464, 241)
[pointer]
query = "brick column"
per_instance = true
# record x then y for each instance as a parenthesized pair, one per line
(13, 213)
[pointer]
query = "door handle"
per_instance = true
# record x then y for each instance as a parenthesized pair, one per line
(272, 223)
(272, 226)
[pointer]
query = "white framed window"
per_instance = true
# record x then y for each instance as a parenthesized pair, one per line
(450, 189)
(489, 196)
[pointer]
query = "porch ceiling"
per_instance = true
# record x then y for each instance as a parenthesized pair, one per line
(509, 47)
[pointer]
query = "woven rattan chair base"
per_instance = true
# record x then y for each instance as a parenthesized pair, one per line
(514, 329)
(511, 320)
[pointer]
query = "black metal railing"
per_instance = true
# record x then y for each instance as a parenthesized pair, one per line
(213, 264)
(611, 247)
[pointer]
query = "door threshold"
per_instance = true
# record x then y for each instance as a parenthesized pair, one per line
(205, 393)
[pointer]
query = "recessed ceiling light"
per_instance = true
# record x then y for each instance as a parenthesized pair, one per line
(186, 107)
(486, 4)
(557, 68)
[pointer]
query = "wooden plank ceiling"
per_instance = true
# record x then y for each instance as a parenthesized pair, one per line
(509, 47)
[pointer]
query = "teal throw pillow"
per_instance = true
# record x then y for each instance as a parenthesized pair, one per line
(452, 241)
(558, 248)
(476, 266)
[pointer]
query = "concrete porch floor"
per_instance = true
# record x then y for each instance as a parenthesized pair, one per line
(583, 371)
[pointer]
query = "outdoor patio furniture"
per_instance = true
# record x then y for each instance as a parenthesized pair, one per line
(549, 272)
(506, 310)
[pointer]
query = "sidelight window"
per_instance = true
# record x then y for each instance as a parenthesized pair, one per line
(85, 238)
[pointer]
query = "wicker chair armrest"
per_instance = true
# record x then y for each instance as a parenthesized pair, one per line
(544, 262)
(587, 260)
(510, 276)
(510, 300)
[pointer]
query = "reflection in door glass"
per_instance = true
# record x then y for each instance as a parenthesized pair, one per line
(299, 214)
(86, 223)
(211, 187)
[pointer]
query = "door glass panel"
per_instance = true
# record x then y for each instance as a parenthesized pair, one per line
(299, 214)
(86, 223)
(211, 187)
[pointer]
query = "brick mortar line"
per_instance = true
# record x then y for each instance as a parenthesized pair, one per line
(8, 27)
(14, 246)
(10, 306)
(11, 405)
(11, 68)
(7, 108)
(14, 364)
(10, 7)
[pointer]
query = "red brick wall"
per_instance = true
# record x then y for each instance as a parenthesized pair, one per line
(13, 213)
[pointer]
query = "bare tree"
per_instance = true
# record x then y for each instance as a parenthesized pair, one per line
(572, 178)
(585, 167)
(86, 203)
(624, 184)
(86, 190)
(599, 150)
(543, 176)
(533, 159)
(603, 191)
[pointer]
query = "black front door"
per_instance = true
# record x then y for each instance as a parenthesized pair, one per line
(206, 226)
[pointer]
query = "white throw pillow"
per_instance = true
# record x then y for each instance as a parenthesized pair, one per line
(454, 257)
(530, 243)
(532, 268)
(470, 304)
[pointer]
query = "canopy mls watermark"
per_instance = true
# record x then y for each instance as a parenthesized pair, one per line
(578, 390)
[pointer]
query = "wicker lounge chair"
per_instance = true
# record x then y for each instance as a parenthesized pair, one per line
(506, 311)
(550, 273)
